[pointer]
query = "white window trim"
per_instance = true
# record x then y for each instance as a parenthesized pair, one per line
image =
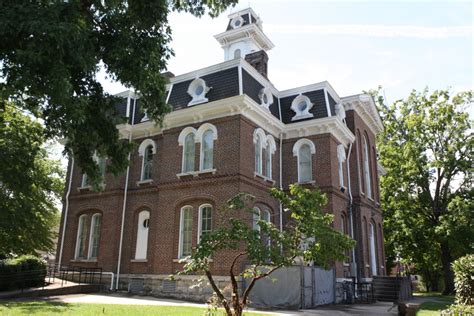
(367, 173)
(201, 207)
(255, 225)
(265, 92)
(199, 138)
(270, 150)
(141, 152)
(181, 227)
(181, 141)
(197, 99)
(341, 157)
(373, 255)
(301, 114)
(259, 136)
(79, 229)
(89, 250)
(296, 150)
(234, 20)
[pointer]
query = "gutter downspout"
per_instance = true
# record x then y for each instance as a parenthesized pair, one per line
(281, 184)
(125, 195)
(66, 209)
(350, 207)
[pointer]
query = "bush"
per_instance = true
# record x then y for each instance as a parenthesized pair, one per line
(24, 271)
(456, 310)
(464, 280)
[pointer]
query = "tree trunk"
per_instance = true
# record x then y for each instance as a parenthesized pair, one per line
(448, 274)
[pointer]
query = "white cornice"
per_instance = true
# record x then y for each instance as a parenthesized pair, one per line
(247, 107)
(249, 31)
(364, 106)
(205, 71)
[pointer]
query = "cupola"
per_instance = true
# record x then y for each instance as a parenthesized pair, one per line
(244, 35)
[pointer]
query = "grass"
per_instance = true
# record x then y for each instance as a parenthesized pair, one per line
(57, 308)
(435, 306)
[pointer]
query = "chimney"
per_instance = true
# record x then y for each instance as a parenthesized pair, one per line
(259, 61)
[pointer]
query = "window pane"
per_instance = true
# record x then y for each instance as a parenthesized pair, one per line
(189, 148)
(186, 232)
(81, 237)
(206, 220)
(102, 166)
(208, 147)
(367, 169)
(95, 235)
(256, 218)
(268, 162)
(147, 163)
(305, 170)
(258, 156)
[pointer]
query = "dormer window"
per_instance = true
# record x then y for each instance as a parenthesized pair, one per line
(198, 90)
(237, 22)
(301, 106)
(266, 98)
(340, 112)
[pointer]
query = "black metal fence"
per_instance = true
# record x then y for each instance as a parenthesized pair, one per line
(357, 292)
(21, 280)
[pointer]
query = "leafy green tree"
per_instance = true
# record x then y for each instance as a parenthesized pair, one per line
(427, 150)
(266, 249)
(52, 50)
(30, 186)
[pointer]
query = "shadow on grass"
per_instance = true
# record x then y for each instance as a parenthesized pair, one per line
(34, 307)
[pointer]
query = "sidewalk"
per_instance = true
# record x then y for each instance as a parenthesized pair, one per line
(379, 308)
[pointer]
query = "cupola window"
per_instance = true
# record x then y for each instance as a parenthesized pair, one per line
(198, 90)
(237, 22)
(301, 106)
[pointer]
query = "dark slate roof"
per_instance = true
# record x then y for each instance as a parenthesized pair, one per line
(121, 107)
(252, 88)
(332, 104)
(318, 110)
(245, 17)
(224, 84)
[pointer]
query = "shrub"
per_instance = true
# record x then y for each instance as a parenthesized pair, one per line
(456, 310)
(24, 271)
(464, 279)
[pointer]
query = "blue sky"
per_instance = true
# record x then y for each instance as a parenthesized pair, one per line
(401, 45)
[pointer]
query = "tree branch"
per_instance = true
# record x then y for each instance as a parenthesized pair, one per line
(235, 287)
(218, 293)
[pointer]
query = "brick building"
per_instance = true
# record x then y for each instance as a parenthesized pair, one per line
(230, 131)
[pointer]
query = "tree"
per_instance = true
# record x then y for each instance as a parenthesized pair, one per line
(267, 248)
(51, 52)
(427, 150)
(30, 186)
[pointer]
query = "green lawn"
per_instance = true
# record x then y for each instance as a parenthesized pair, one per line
(435, 306)
(54, 308)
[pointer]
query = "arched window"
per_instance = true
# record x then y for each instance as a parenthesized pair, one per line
(341, 157)
(259, 141)
(255, 218)
(367, 175)
(269, 150)
(205, 220)
(373, 249)
(94, 236)
(207, 150)
(81, 238)
(189, 153)
(142, 235)
(102, 164)
(237, 53)
(197, 90)
(266, 216)
(147, 149)
(303, 150)
(186, 232)
(301, 106)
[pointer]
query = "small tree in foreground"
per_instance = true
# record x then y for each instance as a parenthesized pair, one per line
(265, 248)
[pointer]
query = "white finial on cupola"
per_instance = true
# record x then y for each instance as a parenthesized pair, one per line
(244, 35)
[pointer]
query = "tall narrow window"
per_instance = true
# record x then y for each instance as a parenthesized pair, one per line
(304, 149)
(304, 164)
(258, 156)
(237, 53)
(94, 236)
(367, 169)
(207, 150)
(81, 237)
(85, 181)
(102, 162)
(186, 232)
(266, 216)
(142, 235)
(373, 258)
(256, 218)
(188, 153)
(341, 157)
(147, 163)
(268, 162)
(205, 220)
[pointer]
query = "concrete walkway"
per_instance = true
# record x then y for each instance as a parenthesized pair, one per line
(379, 308)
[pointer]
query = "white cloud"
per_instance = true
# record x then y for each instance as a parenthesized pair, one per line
(372, 30)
